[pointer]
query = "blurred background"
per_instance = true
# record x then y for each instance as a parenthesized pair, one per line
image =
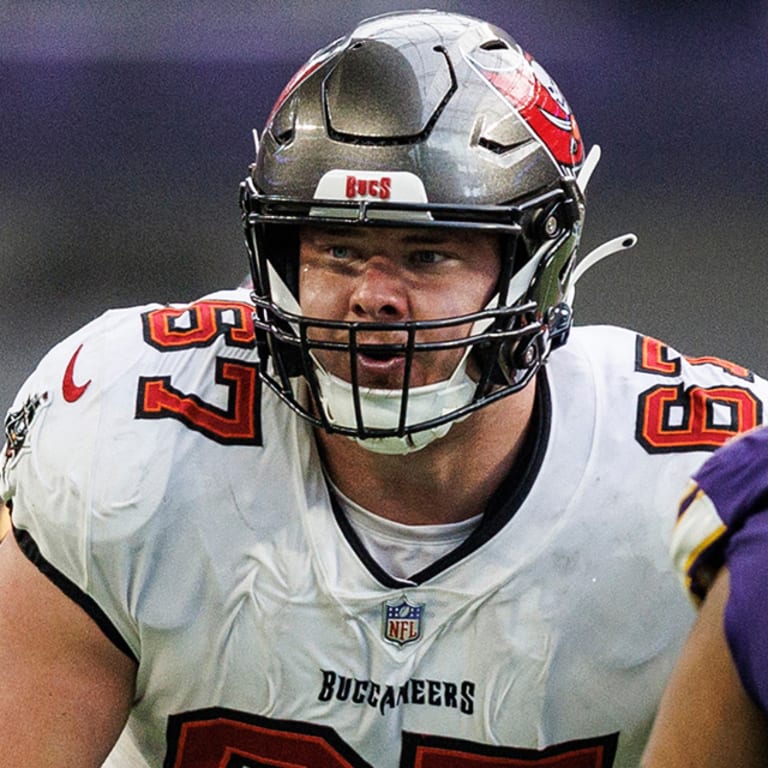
(125, 128)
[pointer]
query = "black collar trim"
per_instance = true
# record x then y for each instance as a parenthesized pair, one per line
(501, 508)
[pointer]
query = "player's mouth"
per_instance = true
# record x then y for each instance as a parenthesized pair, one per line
(378, 362)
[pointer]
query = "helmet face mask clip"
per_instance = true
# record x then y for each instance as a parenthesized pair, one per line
(423, 120)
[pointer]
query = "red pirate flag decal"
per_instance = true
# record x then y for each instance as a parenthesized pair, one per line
(534, 95)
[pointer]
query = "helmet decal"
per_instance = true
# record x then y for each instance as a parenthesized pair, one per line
(397, 186)
(373, 186)
(535, 96)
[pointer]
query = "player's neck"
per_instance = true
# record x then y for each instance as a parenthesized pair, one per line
(452, 479)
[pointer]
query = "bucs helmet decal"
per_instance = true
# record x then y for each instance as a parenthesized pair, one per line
(536, 98)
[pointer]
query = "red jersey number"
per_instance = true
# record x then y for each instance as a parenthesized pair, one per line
(221, 737)
(678, 418)
(170, 329)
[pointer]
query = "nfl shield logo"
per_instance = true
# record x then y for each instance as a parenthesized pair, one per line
(402, 621)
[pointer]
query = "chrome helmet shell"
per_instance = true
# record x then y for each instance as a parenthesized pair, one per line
(423, 119)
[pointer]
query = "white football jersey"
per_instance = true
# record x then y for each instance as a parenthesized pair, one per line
(202, 536)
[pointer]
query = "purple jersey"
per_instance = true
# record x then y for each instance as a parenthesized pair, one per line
(724, 520)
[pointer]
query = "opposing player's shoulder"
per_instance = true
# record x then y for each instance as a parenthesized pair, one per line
(725, 494)
(723, 521)
(734, 477)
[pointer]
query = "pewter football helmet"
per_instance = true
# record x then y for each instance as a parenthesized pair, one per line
(423, 119)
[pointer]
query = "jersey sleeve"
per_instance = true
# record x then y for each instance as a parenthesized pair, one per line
(90, 478)
(723, 520)
(57, 448)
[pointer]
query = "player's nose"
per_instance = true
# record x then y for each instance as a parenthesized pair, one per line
(380, 291)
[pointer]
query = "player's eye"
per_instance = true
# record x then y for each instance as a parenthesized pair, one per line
(340, 251)
(427, 257)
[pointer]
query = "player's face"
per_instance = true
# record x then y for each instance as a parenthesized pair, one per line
(387, 275)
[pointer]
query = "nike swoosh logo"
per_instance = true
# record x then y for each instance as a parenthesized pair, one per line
(69, 389)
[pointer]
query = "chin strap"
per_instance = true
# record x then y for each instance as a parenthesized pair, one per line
(380, 408)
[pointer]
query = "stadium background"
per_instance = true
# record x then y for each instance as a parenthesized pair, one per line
(125, 131)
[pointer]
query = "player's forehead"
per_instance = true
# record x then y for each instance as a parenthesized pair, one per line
(435, 237)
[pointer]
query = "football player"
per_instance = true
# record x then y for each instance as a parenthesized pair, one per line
(387, 508)
(714, 710)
